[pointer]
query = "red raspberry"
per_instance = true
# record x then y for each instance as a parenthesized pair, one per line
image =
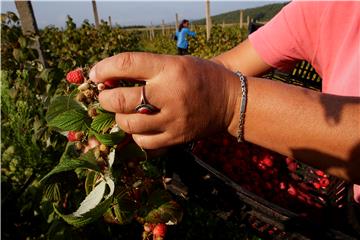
(324, 182)
(316, 185)
(268, 161)
(292, 191)
(72, 136)
(319, 173)
(111, 83)
(292, 166)
(159, 231)
(75, 76)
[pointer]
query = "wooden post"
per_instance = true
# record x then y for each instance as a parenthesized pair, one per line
(177, 21)
(110, 23)
(241, 18)
(223, 24)
(163, 27)
(28, 25)
(96, 15)
(208, 20)
(248, 20)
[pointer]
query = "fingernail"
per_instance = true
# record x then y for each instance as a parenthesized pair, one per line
(92, 74)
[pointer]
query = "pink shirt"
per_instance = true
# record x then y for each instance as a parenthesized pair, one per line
(326, 34)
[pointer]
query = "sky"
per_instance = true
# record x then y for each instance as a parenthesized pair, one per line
(127, 13)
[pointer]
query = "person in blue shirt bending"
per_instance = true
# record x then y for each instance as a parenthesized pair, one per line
(181, 34)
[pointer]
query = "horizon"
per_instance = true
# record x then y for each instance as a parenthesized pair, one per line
(126, 13)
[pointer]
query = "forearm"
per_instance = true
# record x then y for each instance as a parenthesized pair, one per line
(319, 129)
(243, 58)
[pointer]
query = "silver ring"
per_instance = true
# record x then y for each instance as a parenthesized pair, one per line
(144, 107)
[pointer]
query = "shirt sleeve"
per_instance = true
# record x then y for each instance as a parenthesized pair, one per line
(290, 36)
(193, 34)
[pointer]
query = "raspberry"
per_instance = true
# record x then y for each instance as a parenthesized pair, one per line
(319, 173)
(72, 136)
(292, 166)
(316, 185)
(159, 231)
(267, 161)
(292, 191)
(324, 182)
(75, 76)
(111, 83)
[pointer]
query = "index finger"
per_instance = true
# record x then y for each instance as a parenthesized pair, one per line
(128, 65)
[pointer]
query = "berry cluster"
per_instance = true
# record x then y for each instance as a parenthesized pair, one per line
(279, 179)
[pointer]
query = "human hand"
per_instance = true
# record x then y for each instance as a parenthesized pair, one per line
(195, 97)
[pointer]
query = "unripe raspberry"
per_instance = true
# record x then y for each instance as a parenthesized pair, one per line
(103, 148)
(89, 93)
(84, 86)
(92, 112)
(81, 97)
(149, 227)
(101, 86)
(78, 145)
(76, 76)
(79, 135)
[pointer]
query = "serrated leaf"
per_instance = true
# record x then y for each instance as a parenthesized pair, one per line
(60, 105)
(72, 120)
(124, 209)
(169, 212)
(103, 121)
(91, 200)
(110, 139)
(88, 217)
(52, 192)
(90, 181)
(69, 165)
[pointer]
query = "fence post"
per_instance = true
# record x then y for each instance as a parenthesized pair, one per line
(96, 15)
(28, 25)
(247, 20)
(177, 21)
(110, 23)
(163, 27)
(241, 18)
(208, 20)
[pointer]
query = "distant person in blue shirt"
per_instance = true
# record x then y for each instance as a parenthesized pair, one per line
(181, 34)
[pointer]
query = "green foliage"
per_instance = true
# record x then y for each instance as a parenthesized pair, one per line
(73, 47)
(221, 40)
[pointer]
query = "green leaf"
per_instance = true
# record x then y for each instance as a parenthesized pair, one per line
(72, 120)
(124, 209)
(71, 164)
(103, 121)
(91, 200)
(90, 181)
(88, 217)
(169, 213)
(110, 139)
(60, 105)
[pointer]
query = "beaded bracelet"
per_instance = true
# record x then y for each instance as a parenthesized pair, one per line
(240, 136)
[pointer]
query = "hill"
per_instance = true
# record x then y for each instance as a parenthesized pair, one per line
(263, 13)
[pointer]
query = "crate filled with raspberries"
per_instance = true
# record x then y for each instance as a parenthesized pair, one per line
(280, 191)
